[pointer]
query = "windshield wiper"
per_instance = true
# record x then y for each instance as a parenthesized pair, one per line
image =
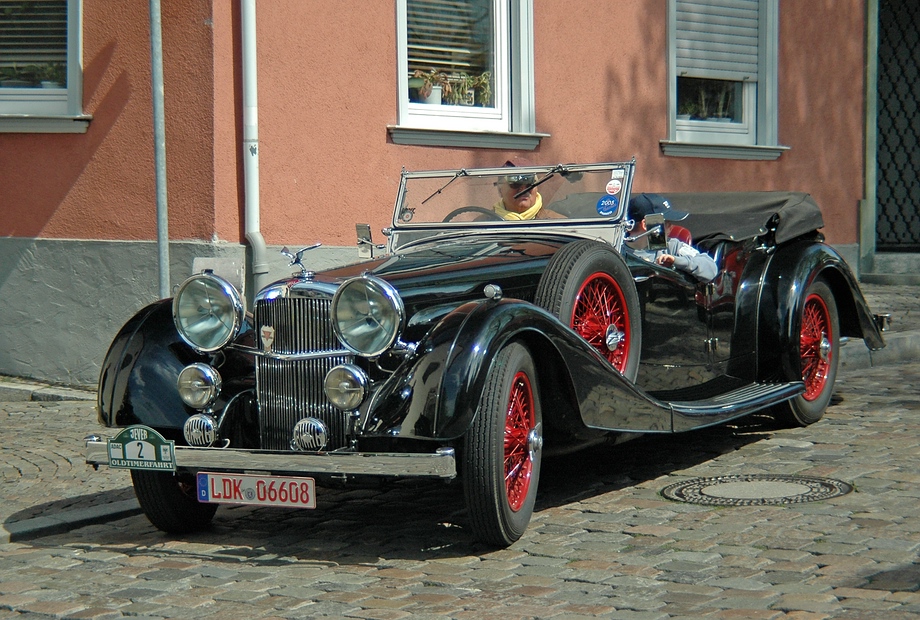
(461, 173)
(549, 175)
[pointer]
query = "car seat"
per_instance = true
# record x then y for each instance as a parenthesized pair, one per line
(681, 234)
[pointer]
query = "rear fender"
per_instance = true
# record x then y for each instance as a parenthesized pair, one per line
(791, 271)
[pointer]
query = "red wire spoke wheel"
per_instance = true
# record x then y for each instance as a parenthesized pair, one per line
(502, 449)
(519, 424)
(588, 286)
(813, 359)
(814, 344)
(600, 317)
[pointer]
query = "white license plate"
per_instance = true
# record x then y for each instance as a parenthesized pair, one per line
(258, 490)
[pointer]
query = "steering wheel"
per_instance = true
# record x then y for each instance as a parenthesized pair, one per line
(472, 209)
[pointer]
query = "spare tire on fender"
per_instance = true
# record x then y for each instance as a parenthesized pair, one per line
(588, 286)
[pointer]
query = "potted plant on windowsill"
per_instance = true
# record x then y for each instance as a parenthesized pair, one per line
(687, 111)
(52, 75)
(472, 90)
(15, 77)
(433, 86)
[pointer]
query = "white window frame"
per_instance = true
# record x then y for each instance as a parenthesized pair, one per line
(53, 110)
(510, 124)
(715, 132)
(756, 136)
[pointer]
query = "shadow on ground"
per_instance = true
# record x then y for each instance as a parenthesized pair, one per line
(70, 504)
(406, 520)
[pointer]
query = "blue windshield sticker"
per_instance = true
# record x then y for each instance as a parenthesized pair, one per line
(608, 205)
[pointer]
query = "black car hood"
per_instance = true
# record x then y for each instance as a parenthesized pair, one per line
(447, 270)
(444, 257)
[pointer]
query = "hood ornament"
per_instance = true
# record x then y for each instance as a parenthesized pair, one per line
(296, 258)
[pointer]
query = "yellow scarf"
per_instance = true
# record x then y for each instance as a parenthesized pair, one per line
(529, 214)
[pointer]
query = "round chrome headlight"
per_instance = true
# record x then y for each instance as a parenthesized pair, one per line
(198, 385)
(345, 386)
(367, 315)
(208, 312)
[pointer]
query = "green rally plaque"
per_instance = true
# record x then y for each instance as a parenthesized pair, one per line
(141, 447)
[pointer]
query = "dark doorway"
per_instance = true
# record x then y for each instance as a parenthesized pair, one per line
(898, 224)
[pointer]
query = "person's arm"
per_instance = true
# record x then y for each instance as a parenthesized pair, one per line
(687, 258)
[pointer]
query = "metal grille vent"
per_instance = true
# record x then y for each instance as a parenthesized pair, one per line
(291, 390)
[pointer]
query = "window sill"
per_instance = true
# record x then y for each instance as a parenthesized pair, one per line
(465, 139)
(721, 151)
(30, 123)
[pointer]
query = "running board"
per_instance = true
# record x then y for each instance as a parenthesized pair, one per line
(740, 401)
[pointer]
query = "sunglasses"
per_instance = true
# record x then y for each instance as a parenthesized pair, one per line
(517, 181)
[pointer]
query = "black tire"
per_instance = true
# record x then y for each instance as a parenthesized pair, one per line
(818, 348)
(169, 501)
(502, 450)
(588, 286)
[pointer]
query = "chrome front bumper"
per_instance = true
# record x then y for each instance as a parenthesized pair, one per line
(440, 464)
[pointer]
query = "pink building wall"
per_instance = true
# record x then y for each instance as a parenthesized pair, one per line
(100, 185)
(327, 91)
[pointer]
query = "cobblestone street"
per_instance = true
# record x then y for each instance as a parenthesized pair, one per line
(603, 542)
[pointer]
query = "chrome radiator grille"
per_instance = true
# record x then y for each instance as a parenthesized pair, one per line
(290, 390)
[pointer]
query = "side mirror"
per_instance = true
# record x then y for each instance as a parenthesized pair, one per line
(365, 244)
(654, 223)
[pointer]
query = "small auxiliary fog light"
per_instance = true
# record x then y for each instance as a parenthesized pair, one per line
(346, 386)
(198, 385)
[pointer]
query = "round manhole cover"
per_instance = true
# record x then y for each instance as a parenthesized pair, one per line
(755, 490)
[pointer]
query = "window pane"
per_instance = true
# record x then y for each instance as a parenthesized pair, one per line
(33, 43)
(709, 100)
(450, 45)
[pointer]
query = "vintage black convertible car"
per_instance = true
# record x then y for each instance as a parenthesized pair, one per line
(469, 345)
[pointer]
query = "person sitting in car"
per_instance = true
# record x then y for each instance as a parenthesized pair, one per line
(515, 205)
(676, 254)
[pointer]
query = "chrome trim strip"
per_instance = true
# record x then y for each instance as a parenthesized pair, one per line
(439, 464)
(288, 357)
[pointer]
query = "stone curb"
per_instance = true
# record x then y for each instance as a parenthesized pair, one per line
(899, 347)
(18, 390)
(67, 520)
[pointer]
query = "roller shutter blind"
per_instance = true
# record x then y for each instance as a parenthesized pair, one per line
(718, 39)
(33, 33)
(453, 36)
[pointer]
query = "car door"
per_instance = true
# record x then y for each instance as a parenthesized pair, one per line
(676, 334)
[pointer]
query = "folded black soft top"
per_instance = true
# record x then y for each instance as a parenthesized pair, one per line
(743, 215)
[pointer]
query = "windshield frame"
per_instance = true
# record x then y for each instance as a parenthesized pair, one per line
(403, 213)
(609, 180)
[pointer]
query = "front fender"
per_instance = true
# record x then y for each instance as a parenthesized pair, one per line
(436, 394)
(137, 381)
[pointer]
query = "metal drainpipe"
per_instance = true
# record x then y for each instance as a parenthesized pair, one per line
(259, 266)
(159, 146)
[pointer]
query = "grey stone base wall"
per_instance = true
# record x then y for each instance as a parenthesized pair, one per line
(894, 268)
(850, 254)
(62, 301)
